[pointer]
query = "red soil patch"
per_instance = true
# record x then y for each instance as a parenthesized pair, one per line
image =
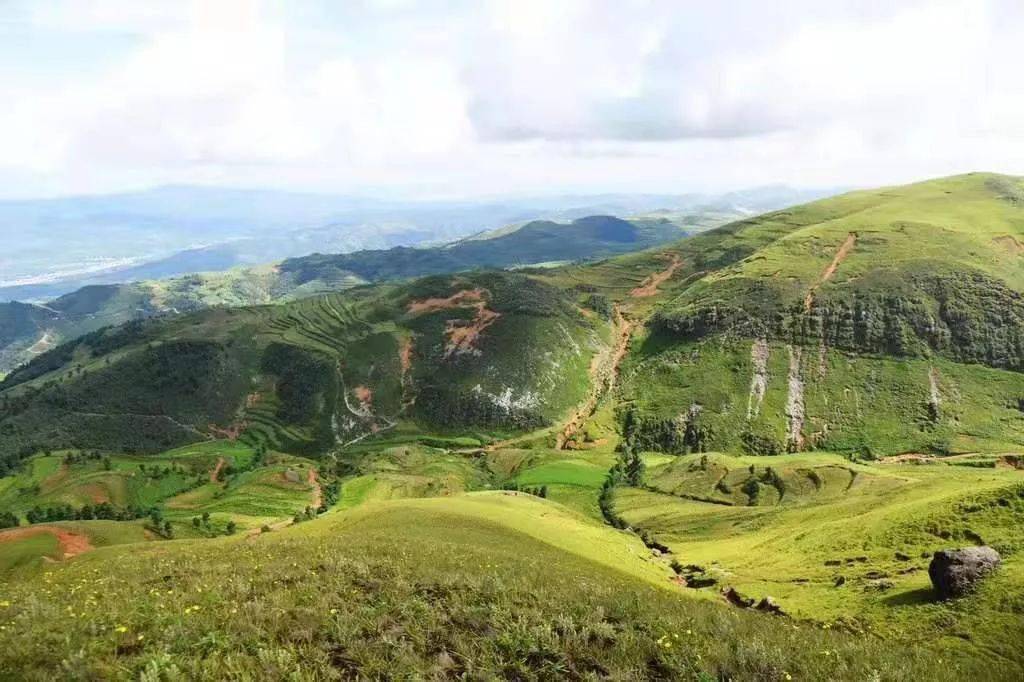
(826, 275)
(71, 544)
(649, 287)
(216, 470)
(462, 336)
(405, 355)
(56, 478)
(363, 394)
(96, 492)
(604, 370)
(459, 299)
(318, 495)
(405, 360)
(232, 432)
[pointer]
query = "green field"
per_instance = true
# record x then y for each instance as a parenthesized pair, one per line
(845, 543)
(398, 588)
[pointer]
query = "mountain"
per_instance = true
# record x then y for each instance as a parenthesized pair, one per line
(29, 329)
(536, 242)
(877, 322)
(907, 296)
(731, 456)
(54, 246)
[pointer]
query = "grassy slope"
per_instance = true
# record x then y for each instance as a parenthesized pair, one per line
(270, 372)
(404, 589)
(963, 220)
(933, 279)
(874, 526)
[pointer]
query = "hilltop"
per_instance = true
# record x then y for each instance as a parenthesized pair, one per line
(874, 323)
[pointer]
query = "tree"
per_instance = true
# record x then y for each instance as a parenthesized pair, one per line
(196, 521)
(231, 528)
(168, 530)
(635, 471)
(9, 520)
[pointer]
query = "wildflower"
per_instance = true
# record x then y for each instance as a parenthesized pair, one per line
(120, 628)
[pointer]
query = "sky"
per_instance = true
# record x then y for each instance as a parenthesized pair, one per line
(489, 97)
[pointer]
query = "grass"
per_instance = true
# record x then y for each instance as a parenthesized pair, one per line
(866, 406)
(27, 552)
(40, 547)
(481, 586)
(876, 530)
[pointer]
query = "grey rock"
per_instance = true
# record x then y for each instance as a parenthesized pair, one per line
(956, 572)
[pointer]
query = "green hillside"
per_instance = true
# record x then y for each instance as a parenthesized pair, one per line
(29, 329)
(480, 355)
(872, 323)
(731, 457)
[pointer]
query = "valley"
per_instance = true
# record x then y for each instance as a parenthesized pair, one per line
(730, 456)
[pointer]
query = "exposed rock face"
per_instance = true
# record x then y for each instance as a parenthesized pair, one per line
(759, 381)
(795, 402)
(955, 572)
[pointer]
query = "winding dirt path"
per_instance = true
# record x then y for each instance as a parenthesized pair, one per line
(318, 493)
(604, 370)
(216, 470)
(649, 287)
(827, 273)
(71, 544)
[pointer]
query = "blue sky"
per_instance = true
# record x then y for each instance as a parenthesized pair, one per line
(408, 98)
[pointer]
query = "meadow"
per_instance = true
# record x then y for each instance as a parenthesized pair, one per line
(406, 589)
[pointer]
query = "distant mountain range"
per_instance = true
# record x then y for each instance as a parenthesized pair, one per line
(54, 246)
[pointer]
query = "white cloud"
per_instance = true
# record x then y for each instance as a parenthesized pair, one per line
(517, 95)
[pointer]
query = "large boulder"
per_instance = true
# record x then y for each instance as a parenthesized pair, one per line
(955, 572)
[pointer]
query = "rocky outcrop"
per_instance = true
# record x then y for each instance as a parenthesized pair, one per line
(956, 572)
(795, 402)
(759, 381)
